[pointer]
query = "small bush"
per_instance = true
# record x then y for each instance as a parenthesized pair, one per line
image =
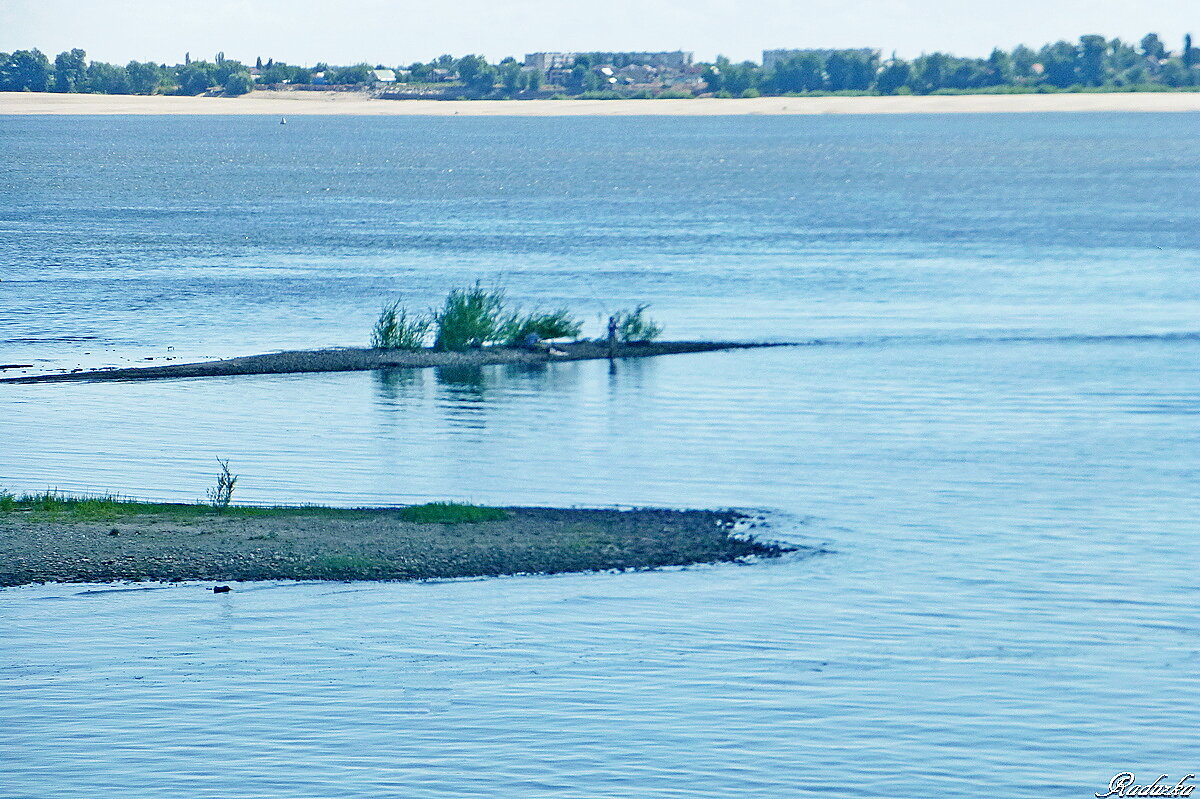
(674, 94)
(472, 317)
(8, 502)
(397, 330)
(556, 324)
(751, 93)
(634, 326)
(220, 495)
(451, 513)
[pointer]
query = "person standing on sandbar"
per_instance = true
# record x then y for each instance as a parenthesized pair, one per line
(612, 337)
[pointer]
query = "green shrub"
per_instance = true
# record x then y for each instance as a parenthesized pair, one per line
(397, 330)
(239, 83)
(220, 495)
(451, 513)
(635, 326)
(8, 502)
(472, 317)
(751, 93)
(674, 94)
(555, 324)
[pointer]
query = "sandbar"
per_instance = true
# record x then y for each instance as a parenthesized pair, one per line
(106, 542)
(362, 359)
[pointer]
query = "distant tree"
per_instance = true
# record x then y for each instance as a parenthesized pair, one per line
(726, 76)
(70, 71)
(227, 67)
(196, 78)
(803, 72)
(1123, 56)
(964, 73)
(108, 78)
(476, 73)
(258, 63)
(510, 76)
(1092, 52)
(1060, 61)
(999, 68)
(929, 72)
(144, 78)
(1173, 73)
(577, 77)
(534, 81)
(282, 73)
(893, 76)
(1190, 55)
(352, 75)
(238, 83)
(25, 71)
(1023, 61)
(1152, 47)
(848, 69)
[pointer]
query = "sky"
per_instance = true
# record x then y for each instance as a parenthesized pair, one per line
(395, 32)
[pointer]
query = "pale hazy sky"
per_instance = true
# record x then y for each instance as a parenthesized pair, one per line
(401, 31)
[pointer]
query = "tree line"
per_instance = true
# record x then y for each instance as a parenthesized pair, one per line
(1092, 63)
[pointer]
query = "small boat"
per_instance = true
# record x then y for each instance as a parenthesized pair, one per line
(283, 120)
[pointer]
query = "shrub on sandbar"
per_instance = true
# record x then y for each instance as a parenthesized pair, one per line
(634, 326)
(472, 317)
(396, 329)
(553, 324)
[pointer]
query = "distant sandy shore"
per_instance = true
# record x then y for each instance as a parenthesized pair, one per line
(356, 104)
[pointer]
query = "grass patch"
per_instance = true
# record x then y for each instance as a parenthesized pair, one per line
(451, 513)
(56, 506)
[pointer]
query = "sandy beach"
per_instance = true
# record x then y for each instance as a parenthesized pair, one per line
(359, 104)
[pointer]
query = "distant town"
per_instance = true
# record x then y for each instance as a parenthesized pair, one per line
(1093, 63)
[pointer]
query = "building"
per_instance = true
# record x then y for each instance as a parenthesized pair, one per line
(677, 60)
(384, 75)
(770, 58)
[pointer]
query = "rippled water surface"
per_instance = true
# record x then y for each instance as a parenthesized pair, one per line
(991, 424)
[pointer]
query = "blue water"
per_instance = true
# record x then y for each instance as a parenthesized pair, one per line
(992, 426)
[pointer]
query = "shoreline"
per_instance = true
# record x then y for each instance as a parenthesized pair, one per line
(363, 359)
(294, 103)
(103, 541)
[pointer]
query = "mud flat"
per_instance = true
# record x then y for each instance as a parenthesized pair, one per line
(360, 360)
(105, 541)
